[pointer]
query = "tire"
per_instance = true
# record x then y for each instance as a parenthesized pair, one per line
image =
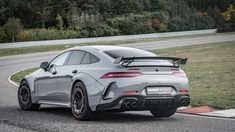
(79, 102)
(163, 112)
(24, 98)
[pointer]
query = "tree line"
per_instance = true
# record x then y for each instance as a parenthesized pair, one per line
(23, 20)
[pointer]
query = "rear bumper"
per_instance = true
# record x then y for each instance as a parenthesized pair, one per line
(139, 102)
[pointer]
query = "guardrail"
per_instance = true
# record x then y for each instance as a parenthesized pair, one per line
(103, 39)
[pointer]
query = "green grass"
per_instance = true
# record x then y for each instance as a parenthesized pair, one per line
(210, 69)
(211, 72)
(35, 49)
(19, 75)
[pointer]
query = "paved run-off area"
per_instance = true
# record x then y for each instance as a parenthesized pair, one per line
(60, 119)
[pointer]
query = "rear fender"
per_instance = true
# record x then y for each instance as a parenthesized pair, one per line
(94, 89)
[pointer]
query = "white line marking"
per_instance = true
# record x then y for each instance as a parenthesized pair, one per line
(12, 82)
(210, 117)
(230, 113)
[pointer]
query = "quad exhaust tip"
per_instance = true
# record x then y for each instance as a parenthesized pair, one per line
(130, 104)
(185, 102)
(134, 104)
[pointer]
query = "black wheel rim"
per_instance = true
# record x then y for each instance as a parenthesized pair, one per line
(24, 95)
(78, 101)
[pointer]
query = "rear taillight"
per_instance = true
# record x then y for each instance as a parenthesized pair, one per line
(178, 73)
(130, 92)
(184, 91)
(121, 74)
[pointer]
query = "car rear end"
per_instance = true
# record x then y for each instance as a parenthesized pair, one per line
(144, 84)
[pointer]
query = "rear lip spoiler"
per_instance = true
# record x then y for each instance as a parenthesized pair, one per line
(126, 61)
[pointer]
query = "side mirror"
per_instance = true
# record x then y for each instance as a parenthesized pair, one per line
(44, 65)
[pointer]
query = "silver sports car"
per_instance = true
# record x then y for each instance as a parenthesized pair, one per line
(107, 78)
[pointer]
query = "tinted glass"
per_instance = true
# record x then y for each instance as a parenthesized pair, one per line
(75, 58)
(128, 53)
(86, 59)
(60, 60)
(94, 59)
(89, 58)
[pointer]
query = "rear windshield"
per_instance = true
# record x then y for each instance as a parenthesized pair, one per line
(128, 53)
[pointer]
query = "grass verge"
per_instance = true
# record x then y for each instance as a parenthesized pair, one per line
(210, 69)
(17, 77)
(211, 72)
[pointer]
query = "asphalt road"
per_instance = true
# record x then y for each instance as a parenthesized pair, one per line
(12, 118)
(105, 39)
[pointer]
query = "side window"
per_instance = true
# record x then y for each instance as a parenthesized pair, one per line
(94, 59)
(89, 59)
(86, 59)
(75, 58)
(60, 60)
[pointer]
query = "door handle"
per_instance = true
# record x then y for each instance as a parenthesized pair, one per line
(74, 71)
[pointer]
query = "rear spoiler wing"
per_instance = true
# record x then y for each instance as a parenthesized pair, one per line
(126, 61)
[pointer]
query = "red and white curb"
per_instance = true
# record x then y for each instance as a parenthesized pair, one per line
(12, 82)
(207, 111)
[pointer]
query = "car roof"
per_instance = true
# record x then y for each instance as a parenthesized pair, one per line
(101, 48)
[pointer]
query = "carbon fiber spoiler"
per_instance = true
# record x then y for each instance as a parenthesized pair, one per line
(126, 61)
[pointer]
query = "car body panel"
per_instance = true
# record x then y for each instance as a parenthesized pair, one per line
(140, 83)
(49, 88)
